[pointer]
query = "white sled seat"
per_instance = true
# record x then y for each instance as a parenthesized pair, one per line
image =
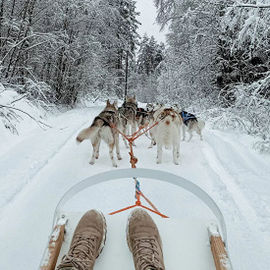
(185, 243)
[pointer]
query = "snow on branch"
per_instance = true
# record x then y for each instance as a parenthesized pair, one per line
(40, 123)
(250, 5)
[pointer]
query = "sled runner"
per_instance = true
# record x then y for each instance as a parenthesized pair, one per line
(194, 237)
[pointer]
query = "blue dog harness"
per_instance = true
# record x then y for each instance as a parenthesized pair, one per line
(187, 116)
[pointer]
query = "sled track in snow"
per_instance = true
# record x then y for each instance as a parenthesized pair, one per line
(249, 162)
(243, 170)
(235, 205)
(228, 181)
(226, 175)
(12, 198)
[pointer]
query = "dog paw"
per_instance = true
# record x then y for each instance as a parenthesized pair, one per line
(96, 157)
(176, 163)
(92, 162)
(149, 147)
(119, 158)
(115, 165)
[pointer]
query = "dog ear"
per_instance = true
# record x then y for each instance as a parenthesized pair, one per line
(134, 96)
(115, 103)
(108, 102)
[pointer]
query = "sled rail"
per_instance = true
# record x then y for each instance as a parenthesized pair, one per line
(220, 255)
(54, 246)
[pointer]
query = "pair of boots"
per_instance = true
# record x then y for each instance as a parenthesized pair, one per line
(89, 238)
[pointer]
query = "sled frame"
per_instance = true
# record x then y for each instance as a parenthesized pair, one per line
(144, 173)
(218, 240)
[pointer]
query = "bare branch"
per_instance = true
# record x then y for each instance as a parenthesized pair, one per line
(20, 98)
(40, 123)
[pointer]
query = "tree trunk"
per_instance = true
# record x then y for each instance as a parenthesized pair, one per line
(126, 73)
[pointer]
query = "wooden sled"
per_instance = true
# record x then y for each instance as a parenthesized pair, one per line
(188, 242)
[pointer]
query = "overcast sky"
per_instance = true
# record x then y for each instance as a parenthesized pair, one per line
(147, 18)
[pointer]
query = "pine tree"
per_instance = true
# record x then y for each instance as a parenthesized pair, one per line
(149, 57)
(128, 37)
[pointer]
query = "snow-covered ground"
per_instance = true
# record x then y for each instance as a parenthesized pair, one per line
(37, 170)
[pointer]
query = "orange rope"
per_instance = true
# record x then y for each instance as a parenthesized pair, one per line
(133, 161)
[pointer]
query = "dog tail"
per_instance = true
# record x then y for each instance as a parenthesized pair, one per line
(87, 133)
(201, 124)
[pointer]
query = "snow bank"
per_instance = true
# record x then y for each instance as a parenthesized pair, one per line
(18, 117)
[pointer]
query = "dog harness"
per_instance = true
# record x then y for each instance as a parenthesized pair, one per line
(108, 119)
(141, 111)
(187, 116)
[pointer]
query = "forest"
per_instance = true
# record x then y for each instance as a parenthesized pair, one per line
(215, 62)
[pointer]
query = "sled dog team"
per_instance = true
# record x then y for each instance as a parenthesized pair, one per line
(166, 133)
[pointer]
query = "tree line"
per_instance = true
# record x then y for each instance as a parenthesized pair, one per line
(218, 56)
(59, 50)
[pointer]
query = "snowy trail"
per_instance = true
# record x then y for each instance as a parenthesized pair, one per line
(235, 176)
(219, 152)
(244, 170)
(227, 180)
(20, 165)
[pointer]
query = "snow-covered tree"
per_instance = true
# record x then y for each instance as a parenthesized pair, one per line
(72, 47)
(218, 55)
(191, 65)
(244, 44)
(149, 57)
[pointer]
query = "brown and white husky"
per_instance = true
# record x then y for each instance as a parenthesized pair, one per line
(101, 129)
(167, 132)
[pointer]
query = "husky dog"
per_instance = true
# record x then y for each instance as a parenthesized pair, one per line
(150, 107)
(142, 117)
(127, 113)
(167, 132)
(101, 129)
(177, 108)
(153, 112)
(191, 123)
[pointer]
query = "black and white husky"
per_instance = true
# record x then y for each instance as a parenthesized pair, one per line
(127, 113)
(101, 129)
(142, 117)
(191, 123)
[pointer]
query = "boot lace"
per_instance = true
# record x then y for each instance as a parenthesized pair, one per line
(82, 253)
(147, 254)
